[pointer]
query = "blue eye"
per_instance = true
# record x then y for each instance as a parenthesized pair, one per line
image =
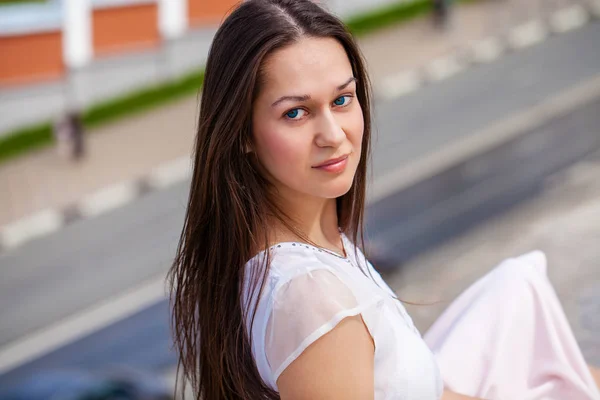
(340, 101)
(292, 113)
(296, 114)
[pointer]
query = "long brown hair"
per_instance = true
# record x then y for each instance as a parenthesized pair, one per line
(229, 208)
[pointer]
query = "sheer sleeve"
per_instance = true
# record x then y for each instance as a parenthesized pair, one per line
(305, 308)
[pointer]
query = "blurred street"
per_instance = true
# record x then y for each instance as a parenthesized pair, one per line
(41, 180)
(562, 221)
(90, 295)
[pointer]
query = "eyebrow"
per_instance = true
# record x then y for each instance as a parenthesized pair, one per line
(307, 97)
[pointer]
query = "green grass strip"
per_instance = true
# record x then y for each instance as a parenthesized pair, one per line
(34, 137)
(389, 15)
(22, 140)
(142, 100)
(25, 139)
(19, 2)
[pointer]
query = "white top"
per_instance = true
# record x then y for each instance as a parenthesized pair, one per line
(309, 290)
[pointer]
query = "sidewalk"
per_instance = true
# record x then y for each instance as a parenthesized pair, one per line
(558, 222)
(130, 149)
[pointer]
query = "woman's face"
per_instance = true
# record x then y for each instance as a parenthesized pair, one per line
(307, 121)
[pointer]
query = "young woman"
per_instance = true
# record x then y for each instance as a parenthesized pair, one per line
(271, 296)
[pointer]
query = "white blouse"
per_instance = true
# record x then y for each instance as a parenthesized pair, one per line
(309, 291)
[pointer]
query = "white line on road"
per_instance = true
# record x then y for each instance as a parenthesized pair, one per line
(443, 68)
(400, 84)
(108, 199)
(480, 141)
(82, 324)
(568, 18)
(584, 173)
(527, 34)
(42, 223)
(170, 377)
(170, 173)
(486, 50)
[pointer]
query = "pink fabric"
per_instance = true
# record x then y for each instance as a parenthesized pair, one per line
(507, 337)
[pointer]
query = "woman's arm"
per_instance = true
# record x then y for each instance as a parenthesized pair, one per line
(339, 365)
(448, 395)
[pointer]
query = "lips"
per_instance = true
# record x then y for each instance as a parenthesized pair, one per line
(331, 161)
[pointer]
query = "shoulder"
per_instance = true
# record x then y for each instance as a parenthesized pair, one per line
(315, 314)
(297, 272)
(277, 270)
(297, 280)
(287, 261)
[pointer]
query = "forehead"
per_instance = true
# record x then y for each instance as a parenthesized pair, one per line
(306, 66)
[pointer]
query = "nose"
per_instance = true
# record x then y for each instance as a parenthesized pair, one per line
(329, 131)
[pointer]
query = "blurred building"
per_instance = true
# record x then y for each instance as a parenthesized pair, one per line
(64, 34)
(41, 40)
(61, 55)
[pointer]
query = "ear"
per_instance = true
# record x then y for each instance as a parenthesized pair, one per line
(247, 148)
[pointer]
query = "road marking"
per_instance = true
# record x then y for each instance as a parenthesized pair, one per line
(400, 84)
(170, 173)
(568, 18)
(81, 324)
(480, 141)
(108, 199)
(486, 50)
(583, 173)
(443, 68)
(527, 34)
(36, 225)
(577, 219)
(170, 377)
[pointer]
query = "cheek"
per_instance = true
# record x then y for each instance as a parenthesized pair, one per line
(356, 127)
(280, 152)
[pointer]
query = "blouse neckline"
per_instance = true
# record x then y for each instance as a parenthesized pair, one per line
(302, 245)
(311, 247)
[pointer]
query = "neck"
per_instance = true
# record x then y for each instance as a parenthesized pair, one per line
(315, 218)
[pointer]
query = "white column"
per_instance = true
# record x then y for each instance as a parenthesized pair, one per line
(173, 17)
(77, 32)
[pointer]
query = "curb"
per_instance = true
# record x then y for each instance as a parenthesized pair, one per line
(484, 51)
(485, 140)
(93, 205)
(413, 209)
(488, 49)
(82, 323)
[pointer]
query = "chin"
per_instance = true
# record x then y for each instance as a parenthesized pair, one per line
(337, 189)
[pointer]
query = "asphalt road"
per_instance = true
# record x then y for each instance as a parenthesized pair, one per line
(88, 261)
(415, 125)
